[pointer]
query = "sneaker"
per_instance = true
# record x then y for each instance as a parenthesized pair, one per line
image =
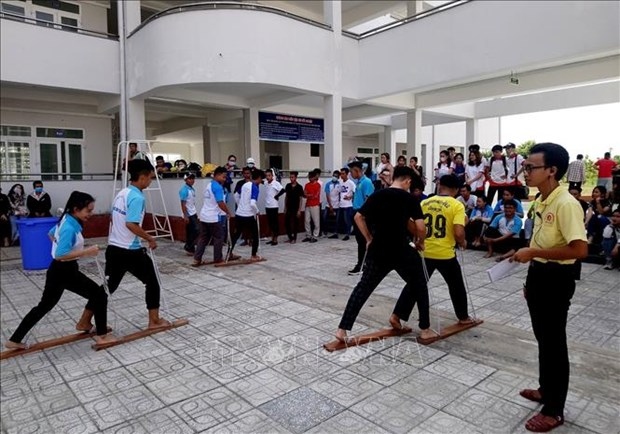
(313, 240)
(269, 243)
(333, 237)
(306, 240)
(609, 265)
(346, 238)
(355, 271)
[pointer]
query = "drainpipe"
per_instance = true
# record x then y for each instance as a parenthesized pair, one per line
(123, 75)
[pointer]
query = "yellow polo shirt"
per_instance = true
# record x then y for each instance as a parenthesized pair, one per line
(441, 213)
(559, 220)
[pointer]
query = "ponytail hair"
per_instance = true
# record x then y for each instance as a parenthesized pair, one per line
(79, 200)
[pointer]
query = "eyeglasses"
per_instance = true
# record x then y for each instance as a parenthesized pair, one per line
(528, 168)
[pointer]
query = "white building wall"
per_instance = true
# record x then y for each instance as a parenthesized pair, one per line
(300, 159)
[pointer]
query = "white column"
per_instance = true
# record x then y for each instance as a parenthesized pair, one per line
(332, 104)
(387, 143)
(414, 133)
(414, 7)
(133, 16)
(251, 140)
(136, 124)
(471, 132)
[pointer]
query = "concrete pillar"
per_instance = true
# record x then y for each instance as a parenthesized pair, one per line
(332, 13)
(387, 143)
(251, 140)
(210, 147)
(332, 104)
(471, 132)
(136, 124)
(414, 7)
(414, 133)
(133, 17)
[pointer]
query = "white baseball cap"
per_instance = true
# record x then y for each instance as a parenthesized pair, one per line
(250, 160)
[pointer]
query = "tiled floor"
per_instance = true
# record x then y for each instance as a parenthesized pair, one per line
(251, 359)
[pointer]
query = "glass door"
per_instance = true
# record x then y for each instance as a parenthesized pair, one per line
(49, 159)
(74, 160)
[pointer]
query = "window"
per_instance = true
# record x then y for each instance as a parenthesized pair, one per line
(60, 132)
(315, 150)
(13, 9)
(11, 130)
(14, 157)
(58, 5)
(70, 24)
(364, 150)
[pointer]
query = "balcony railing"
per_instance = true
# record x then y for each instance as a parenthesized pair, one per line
(57, 26)
(6, 177)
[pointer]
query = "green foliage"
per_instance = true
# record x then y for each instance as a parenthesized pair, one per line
(524, 148)
(591, 171)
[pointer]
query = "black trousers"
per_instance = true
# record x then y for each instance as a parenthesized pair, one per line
(572, 185)
(450, 270)
(291, 222)
(119, 261)
(210, 232)
(191, 233)
(549, 288)
(361, 243)
(409, 267)
(245, 224)
(61, 276)
(272, 220)
(494, 189)
(473, 230)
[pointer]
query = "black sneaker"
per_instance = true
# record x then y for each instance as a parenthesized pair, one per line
(355, 271)
(313, 240)
(333, 237)
(306, 240)
(346, 238)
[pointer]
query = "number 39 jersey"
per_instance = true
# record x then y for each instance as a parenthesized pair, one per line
(441, 213)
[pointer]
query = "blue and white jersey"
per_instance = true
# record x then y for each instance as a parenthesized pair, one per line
(505, 226)
(247, 201)
(210, 211)
(67, 236)
(332, 189)
(187, 194)
(128, 207)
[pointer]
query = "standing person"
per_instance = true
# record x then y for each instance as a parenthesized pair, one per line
(64, 273)
(576, 173)
(401, 161)
(419, 170)
(444, 218)
(345, 212)
(246, 172)
(385, 165)
(5, 220)
(250, 163)
(451, 152)
(292, 205)
(363, 190)
(558, 241)
(497, 173)
(332, 197)
(17, 200)
(459, 167)
(385, 220)
(474, 173)
(213, 207)
(515, 169)
(312, 214)
(272, 207)
(187, 194)
(231, 167)
(39, 202)
(606, 167)
(467, 199)
(444, 167)
(247, 214)
(125, 252)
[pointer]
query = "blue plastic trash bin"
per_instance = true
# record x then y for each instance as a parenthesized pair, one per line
(35, 245)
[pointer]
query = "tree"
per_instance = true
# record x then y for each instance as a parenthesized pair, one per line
(524, 148)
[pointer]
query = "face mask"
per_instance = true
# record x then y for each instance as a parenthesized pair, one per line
(38, 190)
(231, 162)
(250, 165)
(443, 159)
(334, 179)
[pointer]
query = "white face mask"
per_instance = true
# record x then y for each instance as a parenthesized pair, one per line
(250, 165)
(231, 162)
(335, 179)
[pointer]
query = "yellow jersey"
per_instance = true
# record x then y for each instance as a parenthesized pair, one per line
(559, 220)
(441, 213)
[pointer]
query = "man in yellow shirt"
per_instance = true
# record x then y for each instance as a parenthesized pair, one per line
(444, 217)
(558, 240)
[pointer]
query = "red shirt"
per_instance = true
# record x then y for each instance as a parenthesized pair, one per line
(313, 194)
(604, 167)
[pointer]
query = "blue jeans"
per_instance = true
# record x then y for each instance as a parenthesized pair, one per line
(345, 217)
(608, 246)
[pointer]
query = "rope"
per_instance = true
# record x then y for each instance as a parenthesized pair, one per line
(471, 301)
(104, 281)
(229, 240)
(430, 292)
(161, 287)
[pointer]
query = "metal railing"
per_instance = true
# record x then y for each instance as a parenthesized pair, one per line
(5, 177)
(227, 5)
(57, 26)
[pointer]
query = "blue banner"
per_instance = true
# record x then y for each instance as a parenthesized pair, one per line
(289, 128)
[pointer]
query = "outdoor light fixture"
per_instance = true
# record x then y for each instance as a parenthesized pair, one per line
(513, 78)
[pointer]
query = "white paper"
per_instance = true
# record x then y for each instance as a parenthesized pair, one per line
(503, 269)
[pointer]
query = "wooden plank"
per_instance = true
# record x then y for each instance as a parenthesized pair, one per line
(239, 262)
(141, 334)
(43, 345)
(355, 341)
(446, 332)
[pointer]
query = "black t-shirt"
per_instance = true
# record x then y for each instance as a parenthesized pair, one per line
(387, 213)
(293, 195)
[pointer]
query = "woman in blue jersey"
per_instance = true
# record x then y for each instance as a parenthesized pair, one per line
(64, 273)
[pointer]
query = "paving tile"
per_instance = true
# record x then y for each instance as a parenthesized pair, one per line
(253, 421)
(72, 421)
(459, 369)
(430, 389)
(105, 383)
(389, 410)
(507, 386)
(443, 423)
(346, 387)
(409, 351)
(382, 369)
(159, 422)
(40, 426)
(347, 422)
(301, 409)
(20, 411)
(182, 385)
(263, 386)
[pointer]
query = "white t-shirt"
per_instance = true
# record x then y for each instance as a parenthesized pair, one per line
(272, 188)
(346, 193)
(443, 169)
(510, 162)
(247, 200)
(333, 189)
(210, 211)
(128, 206)
(470, 203)
(471, 172)
(497, 172)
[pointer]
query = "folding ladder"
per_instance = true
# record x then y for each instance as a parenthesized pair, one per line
(161, 222)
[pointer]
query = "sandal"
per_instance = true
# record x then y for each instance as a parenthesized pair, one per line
(531, 394)
(543, 423)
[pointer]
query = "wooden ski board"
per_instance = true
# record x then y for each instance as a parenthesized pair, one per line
(141, 334)
(239, 262)
(43, 345)
(355, 341)
(452, 329)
